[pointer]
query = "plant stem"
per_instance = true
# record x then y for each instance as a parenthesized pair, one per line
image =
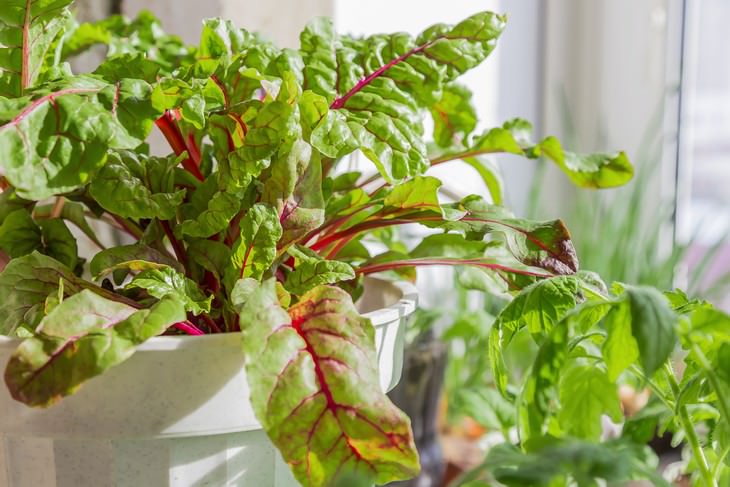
(689, 430)
(340, 102)
(128, 226)
(168, 127)
(176, 246)
(188, 328)
(58, 207)
(211, 323)
(112, 296)
(386, 266)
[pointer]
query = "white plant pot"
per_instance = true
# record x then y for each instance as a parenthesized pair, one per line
(175, 414)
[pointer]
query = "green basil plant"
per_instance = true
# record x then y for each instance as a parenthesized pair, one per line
(252, 225)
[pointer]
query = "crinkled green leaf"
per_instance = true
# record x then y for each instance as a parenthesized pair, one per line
(315, 389)
(28, 29)
(79, 339)
(586, 393)
(136, 257)
(585, 170)
(254, 250)
(167, 282)
(142, 35)
(220, 38)
(133, 185)
(449, 245)
(295, 190)
(332, 136)
(546, 245)
(211, 255)
(25, 283)
(419, 193)
(454, 116)
(311, 270)
(380, 83)
(54, 139)
(221, 208)
(128, 65)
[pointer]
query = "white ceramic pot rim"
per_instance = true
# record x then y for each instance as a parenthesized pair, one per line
(405, 306)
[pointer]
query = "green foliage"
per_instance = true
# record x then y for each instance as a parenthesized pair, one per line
(249, 223)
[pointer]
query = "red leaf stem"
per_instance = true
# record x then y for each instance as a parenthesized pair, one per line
(25, 68)
(176, 246)
(211, 323)
(167, 125)
(386, 266)
(188, 328)
(340, 101)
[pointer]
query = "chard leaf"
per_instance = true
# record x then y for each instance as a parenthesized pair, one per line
(315, 388)
(546, 245)
(380, 84)
(25, 283)
(311, 270)
(137, 257)
(167, 282)
(419, 193)
(20, 235)
(220, 38)
(221, 208)
(54, 139)
(490, 174)
(211, 255)
(453, 115)
(585, 170)
(332, 136)
(80, 338)
(254, 250)
(58, 242)
(136, 66)
(28, 29)
(10, 202)
(142, 35)
(133, 185)
(72, 212)
(449, 245)
(295, 190)
(586, 394)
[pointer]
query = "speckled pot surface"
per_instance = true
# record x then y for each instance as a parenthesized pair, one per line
(175, 414)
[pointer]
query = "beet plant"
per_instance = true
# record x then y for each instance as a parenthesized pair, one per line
(252, 225)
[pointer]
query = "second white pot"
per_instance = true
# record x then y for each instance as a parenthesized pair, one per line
(175, 414)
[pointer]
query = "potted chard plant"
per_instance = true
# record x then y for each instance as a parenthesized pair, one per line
(228, 324)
